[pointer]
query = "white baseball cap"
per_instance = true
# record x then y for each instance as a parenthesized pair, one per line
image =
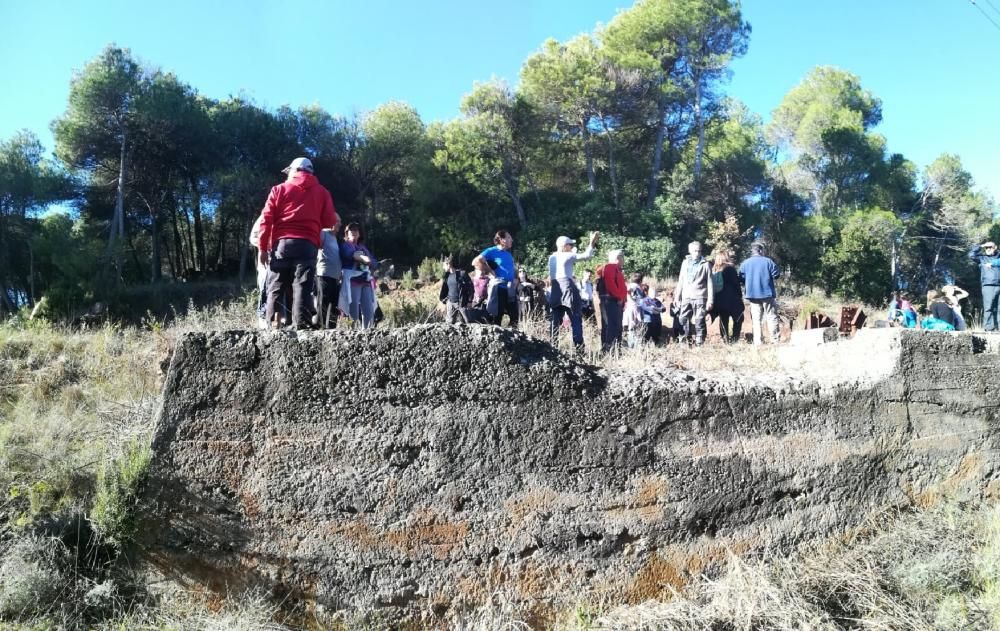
(564, 241)
(299, 164)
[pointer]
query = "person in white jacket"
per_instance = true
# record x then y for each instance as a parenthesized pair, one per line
(565, 295)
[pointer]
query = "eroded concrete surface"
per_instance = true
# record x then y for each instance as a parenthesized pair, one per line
(427, 468)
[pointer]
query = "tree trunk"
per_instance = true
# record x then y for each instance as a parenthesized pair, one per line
(699, 120)
(117, 220)
(156, 265)
(4, 265)
(612, 172)
(512, 192)
(171, 265)
(135, 253)
(31, 273)
(5, 302)
(178, 246)
(220, 242)
(654, 172)
(588, 154)
(191, 263)
(895, 265)
(156, 260)
(244, 246)
(199, 232)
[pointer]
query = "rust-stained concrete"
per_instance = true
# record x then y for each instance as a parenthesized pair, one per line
(428, 468)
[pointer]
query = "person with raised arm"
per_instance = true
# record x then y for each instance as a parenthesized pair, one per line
(565, 295)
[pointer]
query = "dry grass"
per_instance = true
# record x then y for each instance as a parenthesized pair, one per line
(70, 400)
(934, 569)
(714, 355)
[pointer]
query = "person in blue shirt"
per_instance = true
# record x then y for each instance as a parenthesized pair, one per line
(985, 255)
(758, 274)
(497, 265)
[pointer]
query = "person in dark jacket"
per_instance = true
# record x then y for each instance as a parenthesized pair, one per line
(985, 255)
(456, 292)
(290, 237)
(728, 305)
(758, 274)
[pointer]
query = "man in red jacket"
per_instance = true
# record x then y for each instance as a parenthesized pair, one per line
(612, 292)
(291, 224)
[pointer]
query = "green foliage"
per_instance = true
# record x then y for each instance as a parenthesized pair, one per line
(28, 183)
(859, 265)
(430, 270)
(485, 145)
(408, 281)
(801, 244)
(119, 483)
(59, 392)
(624, 130)
(824, 124)
(726, 236)
(66, 264)
(648, 256)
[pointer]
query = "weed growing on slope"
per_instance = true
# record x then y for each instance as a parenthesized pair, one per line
(119, 484)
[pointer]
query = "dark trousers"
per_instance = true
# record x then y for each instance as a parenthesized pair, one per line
(991, 294)
(511, 307)
(293, 263)
(575, 323)
(693, 320)
(737, 320)
(327, 294)
(654, 330)
(611, 323)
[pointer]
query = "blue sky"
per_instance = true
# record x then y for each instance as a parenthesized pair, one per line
(932, 62)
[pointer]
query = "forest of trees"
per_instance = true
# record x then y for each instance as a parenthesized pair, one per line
(627, 130)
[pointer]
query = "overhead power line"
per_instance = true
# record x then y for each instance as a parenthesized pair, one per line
(987, 15)
(993, 6)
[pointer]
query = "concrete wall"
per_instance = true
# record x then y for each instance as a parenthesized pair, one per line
(427, 468)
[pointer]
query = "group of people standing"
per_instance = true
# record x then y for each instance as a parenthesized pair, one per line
(305, 274)
(498, 288)
(308, 276)
(705, 288)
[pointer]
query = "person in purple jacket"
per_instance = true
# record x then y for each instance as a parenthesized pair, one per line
(758, 274)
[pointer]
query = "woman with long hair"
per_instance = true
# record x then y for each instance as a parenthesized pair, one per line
(728, 303)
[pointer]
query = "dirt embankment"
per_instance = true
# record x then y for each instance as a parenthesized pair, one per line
(427, 468)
